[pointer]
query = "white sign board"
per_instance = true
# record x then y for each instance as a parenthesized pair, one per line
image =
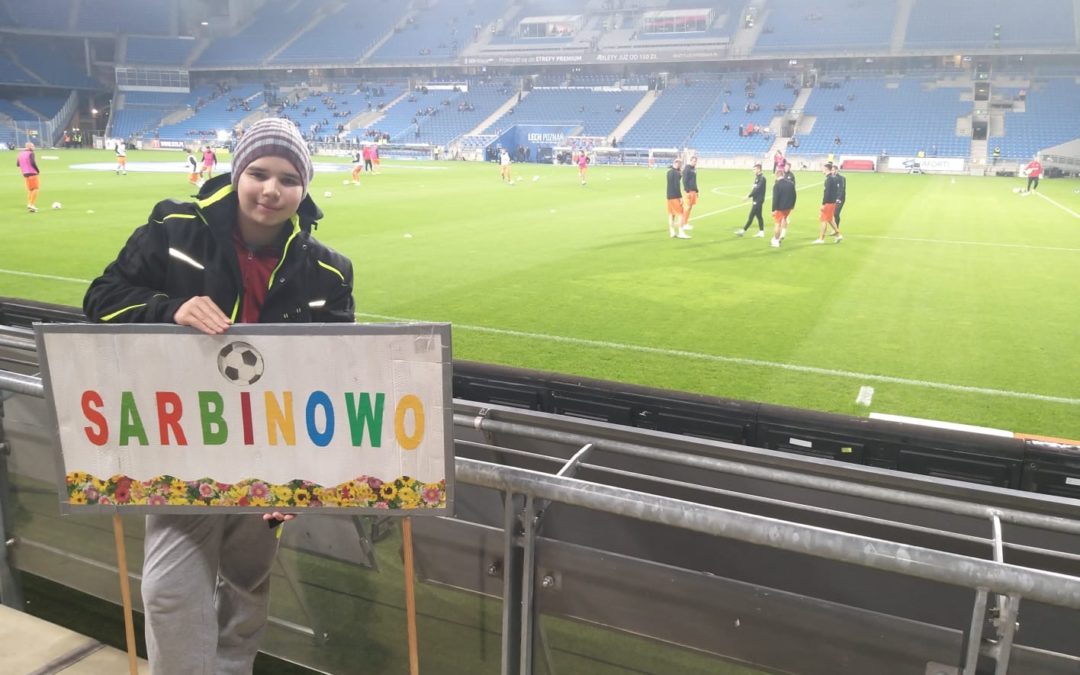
(268, 417)
(944, 164)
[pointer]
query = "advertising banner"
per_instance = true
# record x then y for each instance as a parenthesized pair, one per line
(926, 164)
(267, 417)
(534, 137)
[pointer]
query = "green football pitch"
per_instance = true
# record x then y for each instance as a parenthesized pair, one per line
(955, 298)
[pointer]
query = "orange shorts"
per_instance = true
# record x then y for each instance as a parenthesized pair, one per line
(778, 216)
(122, 161)
(674, 207)
(32, 182)
(828, 212)
(691, 198)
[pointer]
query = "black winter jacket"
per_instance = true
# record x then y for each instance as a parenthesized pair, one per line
(783, 195)
(185, 250)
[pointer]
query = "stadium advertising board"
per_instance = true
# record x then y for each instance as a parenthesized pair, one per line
(685, 53)
(335, 418)
(942, 164)
(535, 136)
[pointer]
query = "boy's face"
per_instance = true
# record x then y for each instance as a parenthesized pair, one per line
(269, 191)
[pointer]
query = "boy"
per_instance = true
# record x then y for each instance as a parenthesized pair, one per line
(121, 158)
(674, 201)
(504, 166)
(357, 166)
(783, 203)
(829, 198)
(689, 179)
(193, 168)
(209, 160)
(1033, 171)
(29, 168)
(757, 196)
(242, 253)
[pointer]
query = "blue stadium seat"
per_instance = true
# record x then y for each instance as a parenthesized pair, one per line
(158, 51)
(594, 110)
(796, 26)
(1049, 119)
(898, 116)
(439, 32)
(344, 36)
(958, 24)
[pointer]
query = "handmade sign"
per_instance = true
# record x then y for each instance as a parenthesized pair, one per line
(267, 417)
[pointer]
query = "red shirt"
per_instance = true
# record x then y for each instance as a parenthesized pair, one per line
(256, 266)
(1034, 168)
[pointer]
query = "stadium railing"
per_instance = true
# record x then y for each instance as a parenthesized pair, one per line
(680, 548)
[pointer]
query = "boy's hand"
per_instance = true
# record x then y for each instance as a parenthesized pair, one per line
(203, 315)
(276, 518)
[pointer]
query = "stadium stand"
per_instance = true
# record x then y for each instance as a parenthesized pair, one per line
(13, 73)
(50, 62)
(596, 111)
(463, 112)
(437, 33)
(821, 26)
(1048, 119)
(319, 114)
(996, 24)
(129, 123)
(667, 122)
(711, 136)
(15, 111)
(148, 17)
(900, 117)
(52, 15)
(136, 113)
(345, 35)
(551, 7)
(158, 51)
(397, 111)
(273, 25)
(214, 115)
(47, 106)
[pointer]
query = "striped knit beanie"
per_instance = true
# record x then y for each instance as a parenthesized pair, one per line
(277, 137)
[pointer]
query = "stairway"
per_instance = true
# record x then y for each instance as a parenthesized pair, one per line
(634, 116)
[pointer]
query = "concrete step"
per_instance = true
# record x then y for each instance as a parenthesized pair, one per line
(33, 646)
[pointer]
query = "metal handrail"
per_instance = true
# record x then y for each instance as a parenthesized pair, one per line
(951, 568)
(775, 475)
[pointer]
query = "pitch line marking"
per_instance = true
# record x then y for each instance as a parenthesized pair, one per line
(44, 276)
(747, 362)
(744, 204)
(693, 355)
(972, 243)
(1064, 208)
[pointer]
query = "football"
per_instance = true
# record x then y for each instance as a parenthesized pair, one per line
(57, 205)
(328, 194)
(240, 363)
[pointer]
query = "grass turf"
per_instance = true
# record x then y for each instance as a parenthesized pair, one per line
(954, 297)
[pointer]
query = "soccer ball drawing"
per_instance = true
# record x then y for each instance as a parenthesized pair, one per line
(240, 363)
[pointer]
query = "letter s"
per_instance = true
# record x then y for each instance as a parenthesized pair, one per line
(99, 433)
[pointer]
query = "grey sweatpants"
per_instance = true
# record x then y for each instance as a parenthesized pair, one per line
(206, 592)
